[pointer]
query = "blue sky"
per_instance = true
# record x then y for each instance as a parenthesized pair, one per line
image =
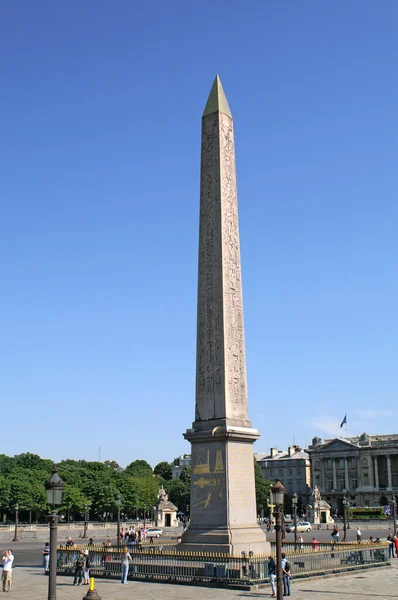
(99, 190)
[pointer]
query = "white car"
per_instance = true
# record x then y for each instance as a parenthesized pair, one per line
(301, 526)
(154, 532)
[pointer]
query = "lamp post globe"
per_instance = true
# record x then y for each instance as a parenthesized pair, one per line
(54, 490)
(278, 494)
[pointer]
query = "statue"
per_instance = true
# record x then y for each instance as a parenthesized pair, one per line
(316, 495)
(163, 497)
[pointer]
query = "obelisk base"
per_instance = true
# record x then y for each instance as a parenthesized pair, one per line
(226, 540)
(223, 496)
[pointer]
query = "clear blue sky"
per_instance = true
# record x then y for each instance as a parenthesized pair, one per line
(100, 119)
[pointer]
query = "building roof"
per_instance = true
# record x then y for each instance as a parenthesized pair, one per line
(281, 455)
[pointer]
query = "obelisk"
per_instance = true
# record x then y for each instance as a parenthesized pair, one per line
(223, 501)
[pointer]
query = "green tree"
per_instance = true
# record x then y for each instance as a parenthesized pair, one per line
(139, 468)
(164, 470)
(185, 474)
(178, 493)
(147, 490)
(263, 487)
(113, 466)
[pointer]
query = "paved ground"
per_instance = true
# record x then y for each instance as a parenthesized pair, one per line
(31, 584)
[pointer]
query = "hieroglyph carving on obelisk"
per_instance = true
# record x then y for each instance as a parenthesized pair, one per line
(223, 508)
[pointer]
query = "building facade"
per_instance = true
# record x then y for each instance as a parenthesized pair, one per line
(292, 467)
(362, 468)
(184, 461)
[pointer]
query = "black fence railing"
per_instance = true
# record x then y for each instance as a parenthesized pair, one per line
(166, 564)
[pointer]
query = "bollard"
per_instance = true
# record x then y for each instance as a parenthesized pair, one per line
(92, 593)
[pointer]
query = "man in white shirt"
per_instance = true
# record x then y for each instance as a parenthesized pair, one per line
(8, 559)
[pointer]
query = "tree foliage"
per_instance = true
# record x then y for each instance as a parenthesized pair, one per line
(164, 470)
(263, 488)
(139, 468)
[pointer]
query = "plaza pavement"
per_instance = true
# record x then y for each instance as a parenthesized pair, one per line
(31, 584)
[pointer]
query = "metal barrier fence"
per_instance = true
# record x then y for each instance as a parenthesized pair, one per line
(160, 564)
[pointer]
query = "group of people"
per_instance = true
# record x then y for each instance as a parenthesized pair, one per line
(286, 571)
(130, 536)
(393, 546)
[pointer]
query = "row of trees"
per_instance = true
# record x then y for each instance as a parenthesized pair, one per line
(92, 487)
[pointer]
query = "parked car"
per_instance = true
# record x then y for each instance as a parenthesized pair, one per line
(301, 526)
(154, 532)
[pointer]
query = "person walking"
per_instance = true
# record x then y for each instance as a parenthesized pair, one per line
(79, 565)
(286, 575)
(87, 567)
(300, 541)
(395, 544)
(126, 557)
(6, 576)
(391, 545)
(359, 535)
(272, 575)
(46, 558)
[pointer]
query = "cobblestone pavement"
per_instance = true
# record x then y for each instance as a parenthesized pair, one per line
(31, 584)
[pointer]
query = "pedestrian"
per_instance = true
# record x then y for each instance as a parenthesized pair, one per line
(391, 545)
(6, 577)
(359, 535)
(272, 575)
(300, 542)
(396, 545)
(69, 543)
(79, 565)
(286, 575)
(46, 558)
(315, 544)
(125, 565)
(87, 567)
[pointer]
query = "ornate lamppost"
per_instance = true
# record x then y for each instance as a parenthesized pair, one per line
(84, 536)
(16, 538)
(54, 489)
(118, 502)
(294, 505)
(346, 506)
(278, 494)
(394, 513)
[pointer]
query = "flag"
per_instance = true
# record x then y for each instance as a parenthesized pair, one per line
(344, 421)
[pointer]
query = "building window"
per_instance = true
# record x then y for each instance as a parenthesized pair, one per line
(329, 463)
(330, 483)
(341, 463)
(317, 465)
(280, 472)
(342, 483)
(289, 472)
(290, 486)
(354, 482)
(271, 472)
(298, 471)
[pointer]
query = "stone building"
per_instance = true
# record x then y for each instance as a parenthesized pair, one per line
(165, 513)
(184, 461)
(293, 468)
(362, 468)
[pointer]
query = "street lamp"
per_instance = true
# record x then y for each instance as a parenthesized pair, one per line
(16, 538)
(278, 494)
(394, 513)
(294, 505)
(144, 514)
(346, 506)
(118, 502)
(85, 522)
(54, 488)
